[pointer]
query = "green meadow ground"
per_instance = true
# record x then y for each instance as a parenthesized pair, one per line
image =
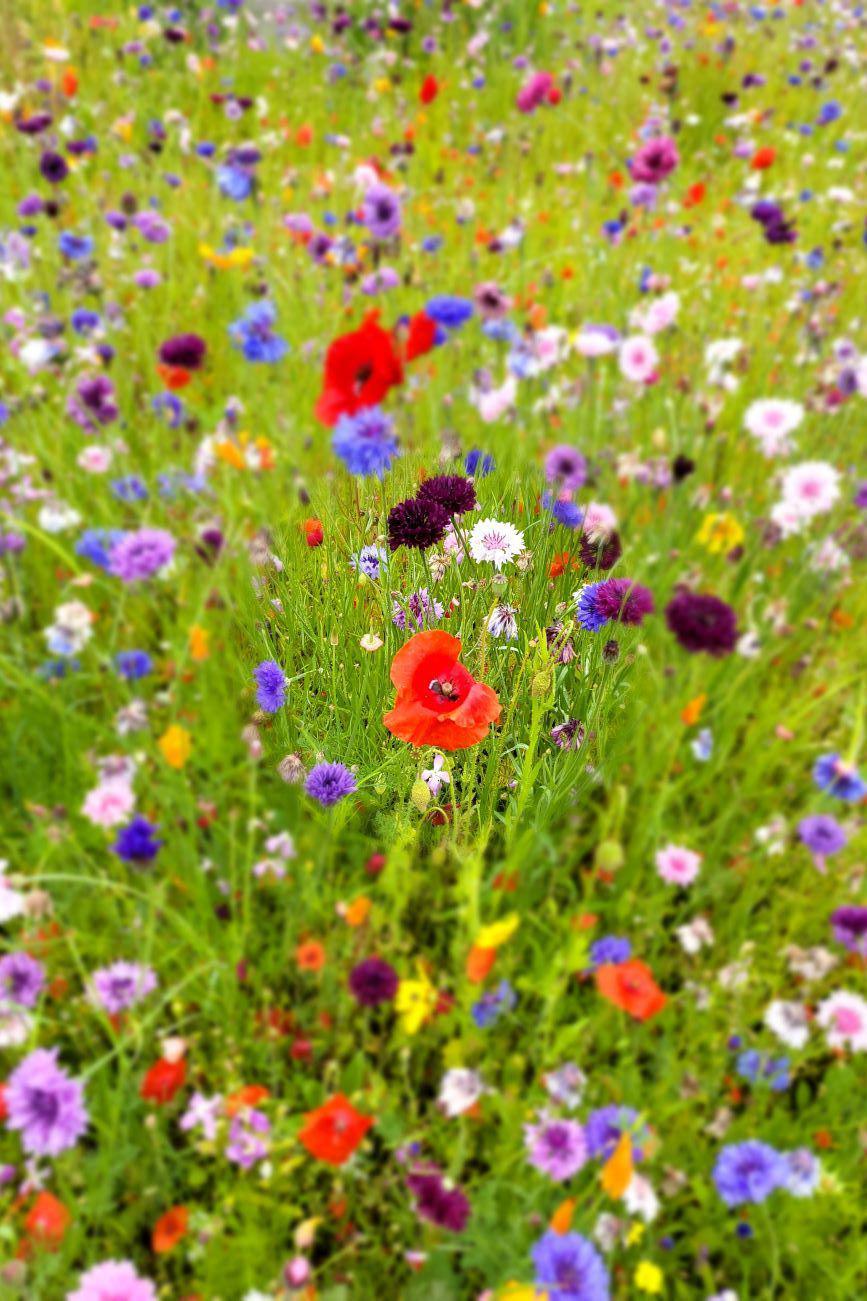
(528, 819)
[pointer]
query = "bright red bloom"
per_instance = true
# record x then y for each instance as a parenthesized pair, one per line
(314, 534)
(430, 88)
(333, 1131)
(46, 1223)
(170, 1229)
(163, 1080)
(438, 701)
(630, 986)
(420, 337)
(763, 158)
(360, 368)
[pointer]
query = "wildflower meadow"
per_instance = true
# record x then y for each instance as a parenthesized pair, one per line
(432, 694)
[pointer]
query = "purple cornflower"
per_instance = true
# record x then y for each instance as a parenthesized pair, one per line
(446, 1207)
(850, 927)
(701, 622)
(92, 403)
(373, 981)
(121, 985)
(604, 1128)
(366, 442)
(833, 774)
(822, 834)
(556, 1147)
(610, 948)
(136, 841)
(369, 561)
(623, 600)
(184, 350)
(422, 607)
(569, 1268)
(748, 1172)
(45, 1104)
(654, 161)
(248, 1138)
(381, 212)
(490, 1007)
(141, 554)
(453, 492)
(21, 979)
(416, 523)
(270, 686)
(329, 782)
(564, 465)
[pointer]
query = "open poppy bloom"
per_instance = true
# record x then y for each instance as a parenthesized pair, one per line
(333, 1131)
(170, 1229)
(360, 368)
(45, 1225)
(163, 1080)
(438, 701)
(630, 986)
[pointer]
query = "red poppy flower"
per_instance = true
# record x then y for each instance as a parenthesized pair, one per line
(174, 377)
(429, 89)
(314, 534)
(333, 1131)
(630, 986)
(360, 368)
(170, 1229)
(438, 701)
(763, 158)
(420, 337)
(46, 1223)
(163, 1080)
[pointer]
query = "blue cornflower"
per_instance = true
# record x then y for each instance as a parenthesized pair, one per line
(610, 948)
(749, 1064)
(365, 442)
(492, 1005)
(96, 545)
(477, 462)
(234, 182)
(566, 513)
(834, 775)
(748, 1172)
(449, 312)
(502, 331)
(829, 112)
(75, 247)
(83, 320)
(129, 488)
(604, 1128)
(253, 333)
(570, 1268)
(588, 615)
(327, 783)
(133, 664)
(270, 686)
(136, 841)
(170, 407)
(369, 561)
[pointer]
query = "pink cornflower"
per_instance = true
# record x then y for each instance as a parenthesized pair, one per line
(676, 865)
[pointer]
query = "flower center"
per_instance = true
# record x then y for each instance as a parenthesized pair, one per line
(444, 689)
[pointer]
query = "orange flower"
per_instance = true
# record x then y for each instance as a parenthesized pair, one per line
(310, 955)
(438, 702)
(333, 1131)
(46, 1223)
(630, 986)
(170, 1229)
(249, 1095)
(479, 964)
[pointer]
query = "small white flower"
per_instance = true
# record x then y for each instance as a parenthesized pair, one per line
(695, 935)
(789, 1022)
(495, 541)
(15, 1025)
(640, 1199)
(460, 1090)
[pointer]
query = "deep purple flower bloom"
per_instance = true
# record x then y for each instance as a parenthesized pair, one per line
(45, 1104)
(93, 400)
(416, 523)
(833, 774)
(453, 492)
(419, 609)
(601, 553)
(329, 782)
(701, 622)
(850, 927)
(381, 212)
(53, 167)
(569, 1268)
(21, 979)
(623, 600)
(141, 554)
(136, 841)
(184, 350)
(373, 981)
(748, 1172)
(448, 1208)
(121, 985)
(822, 834)
(270, 686)
(564, 465)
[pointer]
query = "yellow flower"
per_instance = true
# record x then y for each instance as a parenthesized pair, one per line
(635, 1234)
(520, 1292)
(236, 257)
(720, 533)
(176, 745)
(492, 936)
(415, 1001)
(648, 1277)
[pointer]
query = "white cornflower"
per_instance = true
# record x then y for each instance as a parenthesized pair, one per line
(496, 541)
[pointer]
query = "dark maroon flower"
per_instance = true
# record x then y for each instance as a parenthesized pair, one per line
(448, 1208)
(184, 350)
(451, 491)
(373, 981)
(414, 523)
(624, 600)
(53, 167)
(601, 553)
(701, 622)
